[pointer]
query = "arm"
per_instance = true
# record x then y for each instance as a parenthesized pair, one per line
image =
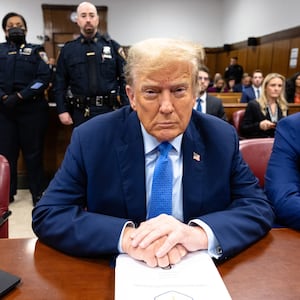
(71, 216)
(283, 175)
(252, 118)
(61, 83)
(121, 61)
(42, 78)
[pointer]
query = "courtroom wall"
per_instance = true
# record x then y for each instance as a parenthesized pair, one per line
(213, 23)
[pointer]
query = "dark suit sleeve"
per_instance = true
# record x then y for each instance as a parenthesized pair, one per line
(283, 173)
(248, 217)
(64, 220)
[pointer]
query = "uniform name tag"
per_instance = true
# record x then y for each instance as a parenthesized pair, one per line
(90, 53)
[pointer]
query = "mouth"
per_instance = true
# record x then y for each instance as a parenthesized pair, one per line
(166, 125)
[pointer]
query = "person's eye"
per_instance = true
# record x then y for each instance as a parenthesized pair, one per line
(150, 93)
(180, 92)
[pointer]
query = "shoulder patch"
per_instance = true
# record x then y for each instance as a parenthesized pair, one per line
(122, 53)
(44, 56)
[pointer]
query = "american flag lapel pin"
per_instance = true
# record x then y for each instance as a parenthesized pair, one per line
(196, 156)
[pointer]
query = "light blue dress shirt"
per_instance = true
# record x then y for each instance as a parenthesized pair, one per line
(175, 154)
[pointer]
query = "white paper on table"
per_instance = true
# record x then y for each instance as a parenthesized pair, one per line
(195, 277)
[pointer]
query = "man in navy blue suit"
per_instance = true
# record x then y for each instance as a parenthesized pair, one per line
(254, 91)
(209, 104)
(98, 201)
(283, 173)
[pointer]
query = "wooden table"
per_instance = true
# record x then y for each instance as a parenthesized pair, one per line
(267, 270)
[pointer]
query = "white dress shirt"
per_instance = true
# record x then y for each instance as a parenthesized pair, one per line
(203, 103)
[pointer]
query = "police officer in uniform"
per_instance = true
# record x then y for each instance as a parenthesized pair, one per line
(89, 74)
(234, 70)
(24, 75)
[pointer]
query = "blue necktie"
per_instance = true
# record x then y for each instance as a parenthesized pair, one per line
(161, 195)
(199, 108)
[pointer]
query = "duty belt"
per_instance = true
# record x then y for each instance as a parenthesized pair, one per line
(82, 101)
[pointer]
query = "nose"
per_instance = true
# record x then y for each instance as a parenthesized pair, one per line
(166, 103)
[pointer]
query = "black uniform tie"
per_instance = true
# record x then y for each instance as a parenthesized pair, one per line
(92, 70)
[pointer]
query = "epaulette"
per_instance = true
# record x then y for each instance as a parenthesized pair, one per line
(106, 37)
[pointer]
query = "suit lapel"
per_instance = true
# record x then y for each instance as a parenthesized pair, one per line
(131, 158)
(193, 169)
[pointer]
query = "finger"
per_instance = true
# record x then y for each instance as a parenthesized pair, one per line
(151, 261)
(163, 261)
(150, 231)
(174, 256)
(139, 236)
(170, 242)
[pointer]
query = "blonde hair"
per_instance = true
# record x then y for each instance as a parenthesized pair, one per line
(281, 101)
(155, 54)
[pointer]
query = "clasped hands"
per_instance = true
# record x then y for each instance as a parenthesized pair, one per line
(163, 241)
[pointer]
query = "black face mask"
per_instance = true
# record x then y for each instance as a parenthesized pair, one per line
(17, 36)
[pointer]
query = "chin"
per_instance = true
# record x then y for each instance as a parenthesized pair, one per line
(166, 135)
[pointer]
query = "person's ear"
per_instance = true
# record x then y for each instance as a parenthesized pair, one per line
(130, 95)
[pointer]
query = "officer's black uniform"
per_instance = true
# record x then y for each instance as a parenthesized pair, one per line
(23, 122)
(234, 71)
(89, 77)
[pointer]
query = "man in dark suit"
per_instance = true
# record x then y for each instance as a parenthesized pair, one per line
(100, 200)
(283, 173)
(254, 91)
(205, 102)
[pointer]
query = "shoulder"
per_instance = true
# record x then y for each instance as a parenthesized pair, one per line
(248, 90)
(106, 123)
(290, 122)
(115, 45)
(213, 99)
(72, 43)
(211, 125)
(37, 49)
(253, 104)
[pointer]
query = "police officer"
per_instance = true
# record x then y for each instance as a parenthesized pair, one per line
(24, 75)
(89, 74)
(234, 70)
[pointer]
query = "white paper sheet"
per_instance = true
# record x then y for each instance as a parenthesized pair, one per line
(195, 277)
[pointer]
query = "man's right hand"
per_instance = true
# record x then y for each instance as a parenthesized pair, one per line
(65, 118)
(148, 254)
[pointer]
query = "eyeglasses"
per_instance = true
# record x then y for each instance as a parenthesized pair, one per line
(203, 78)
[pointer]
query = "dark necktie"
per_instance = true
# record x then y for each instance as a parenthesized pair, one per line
(161, 194)
(92, 69)
(199, 108)
(257, 93)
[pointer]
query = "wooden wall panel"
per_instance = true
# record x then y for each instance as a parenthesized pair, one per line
(222, 62)
(57, 21)
(252, 59)
(241, 54)
(294, 43)
(272, 54)
(265, 58)
(280, 61)
(210, 62)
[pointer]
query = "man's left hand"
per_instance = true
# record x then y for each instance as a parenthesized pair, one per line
(192, 238)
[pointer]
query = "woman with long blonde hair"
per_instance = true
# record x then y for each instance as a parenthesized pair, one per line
(262, 115)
